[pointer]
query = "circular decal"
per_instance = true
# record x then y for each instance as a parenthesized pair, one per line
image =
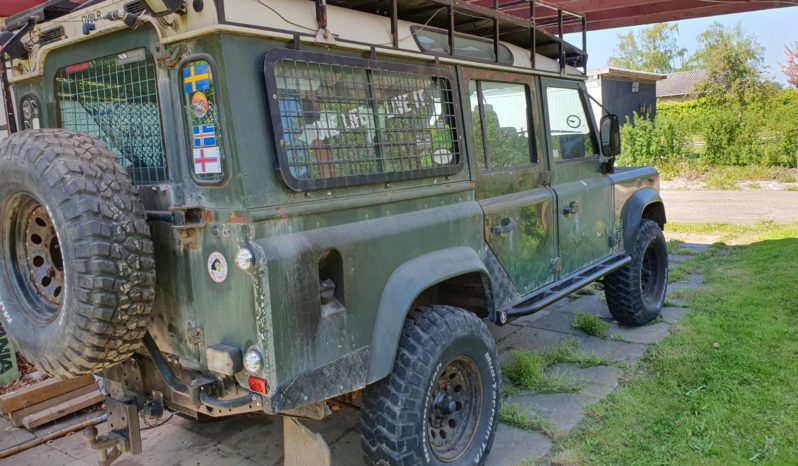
(199, 105)
(217, 267)
(442, 157)
(573, 121)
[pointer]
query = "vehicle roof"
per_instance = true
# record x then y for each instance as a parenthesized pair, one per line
(278, 18)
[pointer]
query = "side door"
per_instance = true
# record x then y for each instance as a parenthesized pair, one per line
(584, 194)
(511, 180)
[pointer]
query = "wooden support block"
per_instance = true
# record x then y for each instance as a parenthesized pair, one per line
(18, 416)
(302, 446)
(42, 391)
(58, 411)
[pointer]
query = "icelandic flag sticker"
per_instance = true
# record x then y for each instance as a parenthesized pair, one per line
(207, 160)
(204, 136)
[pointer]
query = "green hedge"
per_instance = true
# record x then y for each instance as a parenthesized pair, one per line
(764, 133)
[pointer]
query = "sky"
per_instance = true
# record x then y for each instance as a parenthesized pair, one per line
(771, 28)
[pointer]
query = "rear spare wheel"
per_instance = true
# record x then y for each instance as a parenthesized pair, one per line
(77, 271)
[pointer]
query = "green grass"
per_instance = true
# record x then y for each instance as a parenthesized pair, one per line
(674, 246)
(721, 389)
(527, 371)
(590, 324)
(570, 352)
(515, 415)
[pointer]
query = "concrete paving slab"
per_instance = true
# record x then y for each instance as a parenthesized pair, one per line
(564, 410)
(513, 446)
(674, 315)
(650, 333)
(11, 436)
(500, 332)
(41, 455)
(535, 339)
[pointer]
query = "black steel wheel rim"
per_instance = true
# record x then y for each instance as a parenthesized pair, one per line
(36, 259)
(650, 275)
(454, 411)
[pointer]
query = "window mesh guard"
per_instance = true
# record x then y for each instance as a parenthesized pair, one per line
(342, 121)
(115, 99)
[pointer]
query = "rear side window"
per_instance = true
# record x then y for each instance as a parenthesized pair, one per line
(115, 99)
(345, 121)
(500, 114)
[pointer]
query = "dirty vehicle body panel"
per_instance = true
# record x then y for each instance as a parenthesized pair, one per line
(482, 217)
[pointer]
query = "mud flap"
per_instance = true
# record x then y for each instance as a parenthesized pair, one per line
(303, 447)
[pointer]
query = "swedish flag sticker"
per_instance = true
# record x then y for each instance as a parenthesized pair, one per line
(196, 78)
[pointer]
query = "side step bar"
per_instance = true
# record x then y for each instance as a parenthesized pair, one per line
(539, 299)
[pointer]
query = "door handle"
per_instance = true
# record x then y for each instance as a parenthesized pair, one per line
(506, 226)
(572, 209)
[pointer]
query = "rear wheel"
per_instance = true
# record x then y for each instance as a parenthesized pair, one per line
(77, 272)
(636, 292)
(441, 404)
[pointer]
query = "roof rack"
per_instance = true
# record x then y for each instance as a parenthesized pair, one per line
(512, 21)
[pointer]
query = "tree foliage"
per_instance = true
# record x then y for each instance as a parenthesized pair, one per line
(790, 68)
(654, 48)
(734, 62)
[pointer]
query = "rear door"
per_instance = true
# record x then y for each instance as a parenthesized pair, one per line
(584, 194)
(519, 208)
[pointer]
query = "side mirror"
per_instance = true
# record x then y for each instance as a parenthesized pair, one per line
(610, 135)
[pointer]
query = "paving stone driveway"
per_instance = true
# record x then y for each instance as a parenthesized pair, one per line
(257, 439)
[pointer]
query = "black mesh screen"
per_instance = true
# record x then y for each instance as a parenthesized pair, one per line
(357, 121)
(115, 99)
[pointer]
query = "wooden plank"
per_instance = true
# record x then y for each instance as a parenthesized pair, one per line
(17, 416)
(57, 412)
(42, 391)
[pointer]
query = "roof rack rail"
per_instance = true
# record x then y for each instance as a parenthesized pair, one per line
(512, 21)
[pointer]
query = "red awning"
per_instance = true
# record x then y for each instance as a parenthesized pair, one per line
(607, 14)
(603, 14)
(12, 7)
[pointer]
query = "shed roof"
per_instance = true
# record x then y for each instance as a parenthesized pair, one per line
(613, 72)
(680, 83)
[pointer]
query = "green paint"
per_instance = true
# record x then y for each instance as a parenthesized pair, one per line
(9, 371)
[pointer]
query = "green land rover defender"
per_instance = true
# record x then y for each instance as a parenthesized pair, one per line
(232, 206)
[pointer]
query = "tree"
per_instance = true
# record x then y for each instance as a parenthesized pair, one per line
(790, 68)
(654, 48)
(734, 63)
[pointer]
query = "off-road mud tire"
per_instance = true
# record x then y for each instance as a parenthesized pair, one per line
(106, 258)
(395, 423)
(629, 300)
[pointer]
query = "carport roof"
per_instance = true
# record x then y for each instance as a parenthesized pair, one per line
(602, 14)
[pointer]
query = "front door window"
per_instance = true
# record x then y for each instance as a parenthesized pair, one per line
(569, 129)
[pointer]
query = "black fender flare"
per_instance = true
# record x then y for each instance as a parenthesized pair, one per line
(633, 211)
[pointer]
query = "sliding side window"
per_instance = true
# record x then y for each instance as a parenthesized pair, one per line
(342, 121)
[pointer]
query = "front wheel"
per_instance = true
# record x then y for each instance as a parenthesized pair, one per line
(636, 292)
(441, 403)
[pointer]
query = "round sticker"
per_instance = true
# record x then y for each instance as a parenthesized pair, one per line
(217, 267)
(199, 105)
(573, 121)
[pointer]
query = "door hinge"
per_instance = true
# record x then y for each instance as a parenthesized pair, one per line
(545, 177)
(195, 335)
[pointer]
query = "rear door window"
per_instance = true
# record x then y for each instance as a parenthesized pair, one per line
(115, 99)
(500, 124)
